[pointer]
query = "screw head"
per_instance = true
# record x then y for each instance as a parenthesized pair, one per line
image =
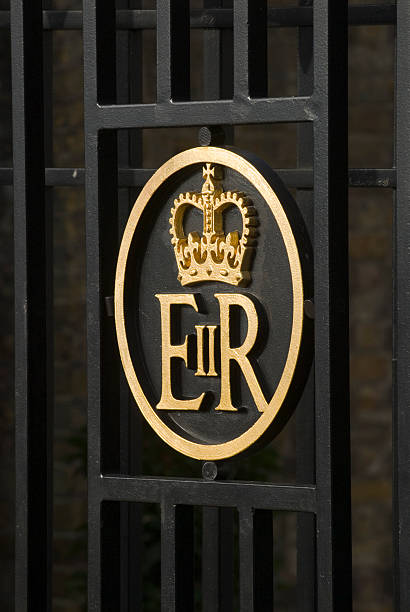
(209, 470)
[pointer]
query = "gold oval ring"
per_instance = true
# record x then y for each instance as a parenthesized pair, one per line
(235, 161)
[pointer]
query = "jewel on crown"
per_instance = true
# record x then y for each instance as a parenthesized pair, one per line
(214, 256)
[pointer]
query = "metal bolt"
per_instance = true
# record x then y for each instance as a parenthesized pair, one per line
(209, 470)
(309, 308)
(212, 135)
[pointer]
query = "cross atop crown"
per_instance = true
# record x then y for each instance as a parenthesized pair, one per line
(212, 175)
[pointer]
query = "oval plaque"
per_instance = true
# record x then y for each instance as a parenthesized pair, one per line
(209, 302)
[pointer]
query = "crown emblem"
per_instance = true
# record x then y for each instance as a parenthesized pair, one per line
(214, 256)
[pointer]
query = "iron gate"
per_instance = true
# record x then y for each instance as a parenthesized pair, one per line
(235, 93)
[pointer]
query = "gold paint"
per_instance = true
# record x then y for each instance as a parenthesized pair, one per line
(238, 354)
(170, 351)
(224, 157)
(200, 350)
(213, 256)
(211, 336)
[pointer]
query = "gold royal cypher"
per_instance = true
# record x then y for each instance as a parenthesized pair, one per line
(228, 353)
(213, 256)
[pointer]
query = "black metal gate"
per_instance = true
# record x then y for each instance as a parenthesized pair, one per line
(235, 93)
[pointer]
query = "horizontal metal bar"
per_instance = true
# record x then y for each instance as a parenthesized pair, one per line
(214, 112)
(302, 178)
(372, 177)
(75, 177)
(296, 498)
(137, 177)
(367, 14)
(372, 14)
(64, 177)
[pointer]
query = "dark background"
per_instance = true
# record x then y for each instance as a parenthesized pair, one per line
(371, 97)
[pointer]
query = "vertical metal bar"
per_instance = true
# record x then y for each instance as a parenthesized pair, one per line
(105, 19)
(48, 102)
(101, 244)
(33, 335)
(168, 572)
(173, 50)
(251, 596)
(263, 560)
(129, 90)
(240, 49)
(331, 306)
(93, 348)
(217, 523)
(177, 554)
(401, 310)
(217, 559)
(246, 556)
(305, 416)
(49, 233)
(250, 48)
(110, 553)
(109, 366)
(258, 48)
(306, 523)
(256, 560)
(218, 58)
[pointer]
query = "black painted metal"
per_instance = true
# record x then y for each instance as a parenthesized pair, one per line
(129, 89)
(137, 177)
(215, 18)
(217, 559)
(33, 322)
(173, 51)
(217, 523)
(263, 560)
(324, 555)
(333, 539)
(331, 308)
(293, 498)
(305, 416)
(401, 310)
(177, 557)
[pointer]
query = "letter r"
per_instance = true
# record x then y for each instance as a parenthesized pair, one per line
(240, 353)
